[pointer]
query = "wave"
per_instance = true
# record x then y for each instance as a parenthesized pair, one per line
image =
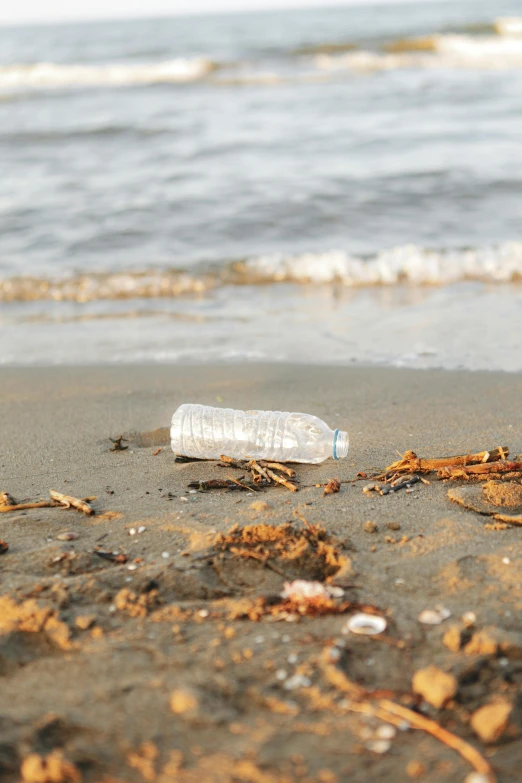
(438, 51)
(408, 264)
(46, 74)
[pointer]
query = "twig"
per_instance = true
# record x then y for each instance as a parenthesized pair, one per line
(117, 443)
(281, 480)
(230, 462)
(278, 466)
(467, 751)
(69, 500)
(478, 470)
(243, 486)
(114, 557)
(157, 452)
(411, 463)
(23, 506)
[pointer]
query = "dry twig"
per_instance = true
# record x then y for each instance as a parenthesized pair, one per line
(24, 506)
(68, 500)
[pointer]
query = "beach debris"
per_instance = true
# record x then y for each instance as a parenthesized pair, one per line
(25, 506)
(6, 499)
(185, 701)
(434, 616)
(158, 451)
(69, 501)
(456, 637)
(114, 557)
(68, 535)
(4, 546)
(478, 471)
(370, 527)
(411, 463)
(492, 721)
(434, 685)
(417, 721)
(365, 624)
(303, 590)
(263, 474)
(332, 487)
(492, 640)
(53, 768)
(394, 485)
(117, 443)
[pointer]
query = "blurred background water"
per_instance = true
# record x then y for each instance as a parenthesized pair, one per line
(330, 185)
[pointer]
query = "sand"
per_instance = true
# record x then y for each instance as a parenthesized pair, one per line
(156, 672)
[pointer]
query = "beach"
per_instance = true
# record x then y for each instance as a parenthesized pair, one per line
(156, 668)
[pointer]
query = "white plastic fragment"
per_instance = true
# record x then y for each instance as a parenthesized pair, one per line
(365, 624)
(302, 589)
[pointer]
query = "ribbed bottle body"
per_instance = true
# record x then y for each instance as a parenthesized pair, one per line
(206, 432)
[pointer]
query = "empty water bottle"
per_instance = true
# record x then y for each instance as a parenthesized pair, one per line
(205, 432)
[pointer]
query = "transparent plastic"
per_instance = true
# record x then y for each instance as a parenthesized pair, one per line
(205, 432)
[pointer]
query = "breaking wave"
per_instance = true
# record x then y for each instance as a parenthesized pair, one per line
(47, 74)
(407, 264)
(434, 51)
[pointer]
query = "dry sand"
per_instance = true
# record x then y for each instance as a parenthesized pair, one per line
(162, 683)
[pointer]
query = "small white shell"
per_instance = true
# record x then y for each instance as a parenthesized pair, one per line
(365, 624)
(70, 535)
(434, 616)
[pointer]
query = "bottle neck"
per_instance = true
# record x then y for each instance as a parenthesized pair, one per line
(341, 443)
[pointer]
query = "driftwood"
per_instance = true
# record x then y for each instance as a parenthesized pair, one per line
(24, 506)
(479, 470)
(411, 463)
(69, 501)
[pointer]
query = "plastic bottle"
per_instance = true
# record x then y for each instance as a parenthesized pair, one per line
(205, 432)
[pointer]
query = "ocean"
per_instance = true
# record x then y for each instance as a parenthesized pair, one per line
(335, 186)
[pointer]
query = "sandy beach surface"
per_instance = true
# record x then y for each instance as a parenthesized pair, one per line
(175, 665)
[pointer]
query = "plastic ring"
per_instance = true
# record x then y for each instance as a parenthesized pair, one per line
(336, 435)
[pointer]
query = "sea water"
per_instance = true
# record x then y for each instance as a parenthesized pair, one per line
(339, 185)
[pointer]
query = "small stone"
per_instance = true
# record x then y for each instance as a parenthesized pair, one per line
(490, 722)
(469, 619)
(141, 529)
(85, 621)
(132, 531)
(455, 638)
(477, 777)
(165, 555)
(484, 642)
(49, 769)
(281, 675)
(386, 731)
(260, 505)
(435, 686)
(415, 769)
(69, 535)
(393, 526)
(379, 746)
(184, 701)
(370, 527)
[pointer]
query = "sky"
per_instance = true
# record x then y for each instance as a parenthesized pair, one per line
(27, 11)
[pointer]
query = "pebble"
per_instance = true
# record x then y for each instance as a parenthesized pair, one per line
(393, 526)
(68, 536)
(386, 731)
(165, 555)
(379, 746)
(490, 721)
(506, 560)
(469, 619)
(292, 658)
(297, 681)
(281, 675)
(370, 527)
(132, 567)
(132, 531)
(435, 686)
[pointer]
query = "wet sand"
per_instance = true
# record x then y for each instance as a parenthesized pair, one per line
(155, 672)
